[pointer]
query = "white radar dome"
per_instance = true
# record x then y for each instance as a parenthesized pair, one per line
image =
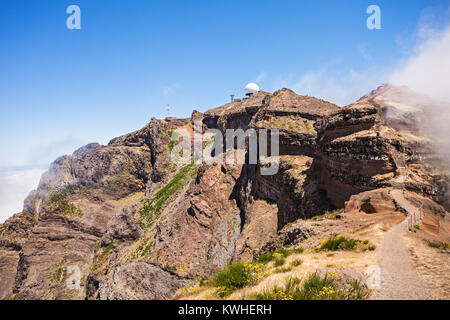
(251, 88)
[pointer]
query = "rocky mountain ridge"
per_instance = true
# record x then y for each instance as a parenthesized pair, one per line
(123, 222)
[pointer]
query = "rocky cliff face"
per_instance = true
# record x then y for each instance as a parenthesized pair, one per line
(124, 222)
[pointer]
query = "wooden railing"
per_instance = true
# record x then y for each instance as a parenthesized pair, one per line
(415, 218)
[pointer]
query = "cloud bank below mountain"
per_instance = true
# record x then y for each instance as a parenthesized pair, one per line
(15, 185)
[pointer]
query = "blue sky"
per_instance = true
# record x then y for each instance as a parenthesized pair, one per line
(60, 88)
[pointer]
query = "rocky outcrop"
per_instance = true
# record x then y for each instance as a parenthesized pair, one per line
(374, 201)
(136, 280)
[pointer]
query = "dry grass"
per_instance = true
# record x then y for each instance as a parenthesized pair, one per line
(433, 266)
(358, 226)
(311, 261)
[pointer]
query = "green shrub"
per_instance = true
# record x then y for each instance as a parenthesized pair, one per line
(147, 249)
(279, 262)
(335, 243)
(71, 210)
(58, 202)
(285, 253)
(417, 226)
(235, 276)
(315, 288)
(265, 258)
(280, 253)
(443, 245)
(349, 244)
(282, 270)
(329, 215)
(434, 244)
(103, 254)
(59, 274)
(299, 250)
(296, 263)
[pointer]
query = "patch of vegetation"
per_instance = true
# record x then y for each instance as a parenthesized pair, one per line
(145, 246)
(170, 267)
(174, 139)
(433, 244)
(283, 252)
(298, 250)
(315, 288)
(296, 263)
(265, 258)
(58, 203)
(3, 227)
(279, 262)
(443, 245)
(103, 254)
(153, 205)
(417, 226)
(72, 211)
(59, 274)
(279, 254)
(237, 275)
(282, 270)
(329, 215)
(335, 243)
(147, 249)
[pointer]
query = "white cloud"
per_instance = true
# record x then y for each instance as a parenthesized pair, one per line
(15, 185)
(318, 84)
(339, 88)
(428, 69)
(45, 153)
(37, 153)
